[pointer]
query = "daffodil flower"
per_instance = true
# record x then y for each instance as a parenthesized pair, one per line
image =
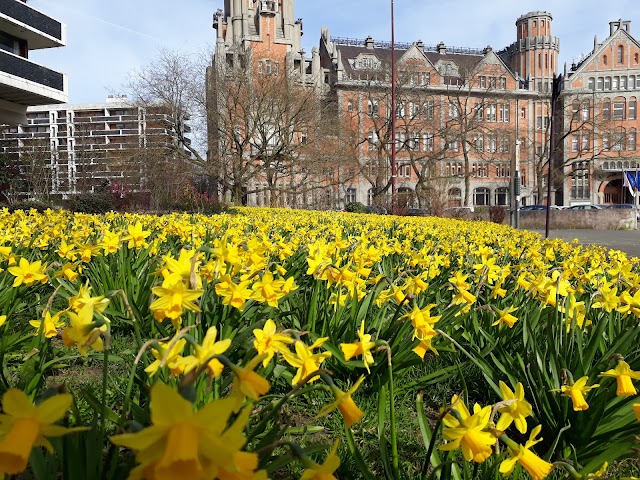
(537, 467)
(576, 393)
(24, 426)
(623, 375)
(516, 411)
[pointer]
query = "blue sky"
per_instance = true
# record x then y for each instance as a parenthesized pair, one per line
(108, 39)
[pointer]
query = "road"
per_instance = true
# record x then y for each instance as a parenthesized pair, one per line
(626, 240)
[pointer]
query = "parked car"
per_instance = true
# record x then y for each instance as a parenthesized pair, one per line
(527, 208)
(457, 211)
(584, 207)
(616, 205)
(417, 212)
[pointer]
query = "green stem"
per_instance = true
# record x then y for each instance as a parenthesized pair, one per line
(395, 462)
(103, 410)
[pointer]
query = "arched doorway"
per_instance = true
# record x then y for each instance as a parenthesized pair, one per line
(615, 192)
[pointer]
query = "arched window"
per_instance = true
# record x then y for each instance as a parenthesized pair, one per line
(626, 165)
(592, 83)
(605, 166)
(481, 196)
(502, 196)
(636, 58)
(620, 54)
(349, 106)
(604, 59)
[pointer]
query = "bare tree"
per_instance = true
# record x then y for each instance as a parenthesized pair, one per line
(269, 135)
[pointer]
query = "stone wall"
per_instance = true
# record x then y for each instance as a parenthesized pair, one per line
(609, 219)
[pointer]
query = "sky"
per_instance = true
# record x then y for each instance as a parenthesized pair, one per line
(107, 40)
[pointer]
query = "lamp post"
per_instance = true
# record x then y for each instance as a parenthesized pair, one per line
(393, 114)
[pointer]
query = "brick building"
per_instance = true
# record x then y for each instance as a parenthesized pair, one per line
(22, 82)
(601, 93)
(462, 115)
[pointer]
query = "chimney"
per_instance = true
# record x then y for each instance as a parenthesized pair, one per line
(487, 49)
(441, 48)
(368, 42)
(420, 45)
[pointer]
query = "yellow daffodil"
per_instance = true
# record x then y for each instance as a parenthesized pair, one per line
(83, 331)
(51, 324)
(576, 393)
(623, 375)
(24, 426)
(3, 318)
(137, 236)
(505, 317)
(469, 432)
(305, 360)
(313, 471)
(516, 411)
(345, 404)
(248, 383)
(203, 354)
(234, 294)
(28, 273)
(173, 299)
(181, 443)
(537, 467)
(636, 410)
(363, 347)
(268, 342)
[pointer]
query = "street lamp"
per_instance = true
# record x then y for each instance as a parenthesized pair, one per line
(393, 114)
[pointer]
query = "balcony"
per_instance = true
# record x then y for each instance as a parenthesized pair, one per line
(23, 21)
(26, 83)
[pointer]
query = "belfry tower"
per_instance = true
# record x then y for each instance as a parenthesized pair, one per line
(534, 55)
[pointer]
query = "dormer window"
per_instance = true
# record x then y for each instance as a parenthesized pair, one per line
(367, 62)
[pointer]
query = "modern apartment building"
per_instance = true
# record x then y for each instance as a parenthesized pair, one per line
(462, 115)
(24, 83)
(74, 148)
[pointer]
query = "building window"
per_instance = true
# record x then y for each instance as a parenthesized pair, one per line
(373, 108)
(349, 106)
(426, 78)
(619, 138)
(523, 112)
(585, 143)
(478, 142)
(481, 196)
(616, 83)
(427, 108)
(600, 83)
(404, 171)
(455, 197)
(490, 113)
(372, 140)
(631, 140)
(636, 58)
(453, 145)
(502, 196)
(632, 82)
(620, 54)
(400, 110)
(427, 142)
(453, 110)
(619, 108)
(584, 111)
(604, 59)
(575, 142)
(492, 144)
(482, 81)
(606, 109)
(505, 145)
(351, 195)
(580, 187)
(401, 138)
(504, 112)
(503, 83)
(607, 83)
(623, 83)
(632, 109)
(592, 83)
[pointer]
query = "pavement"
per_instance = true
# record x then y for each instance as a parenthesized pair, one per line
(626, 240)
